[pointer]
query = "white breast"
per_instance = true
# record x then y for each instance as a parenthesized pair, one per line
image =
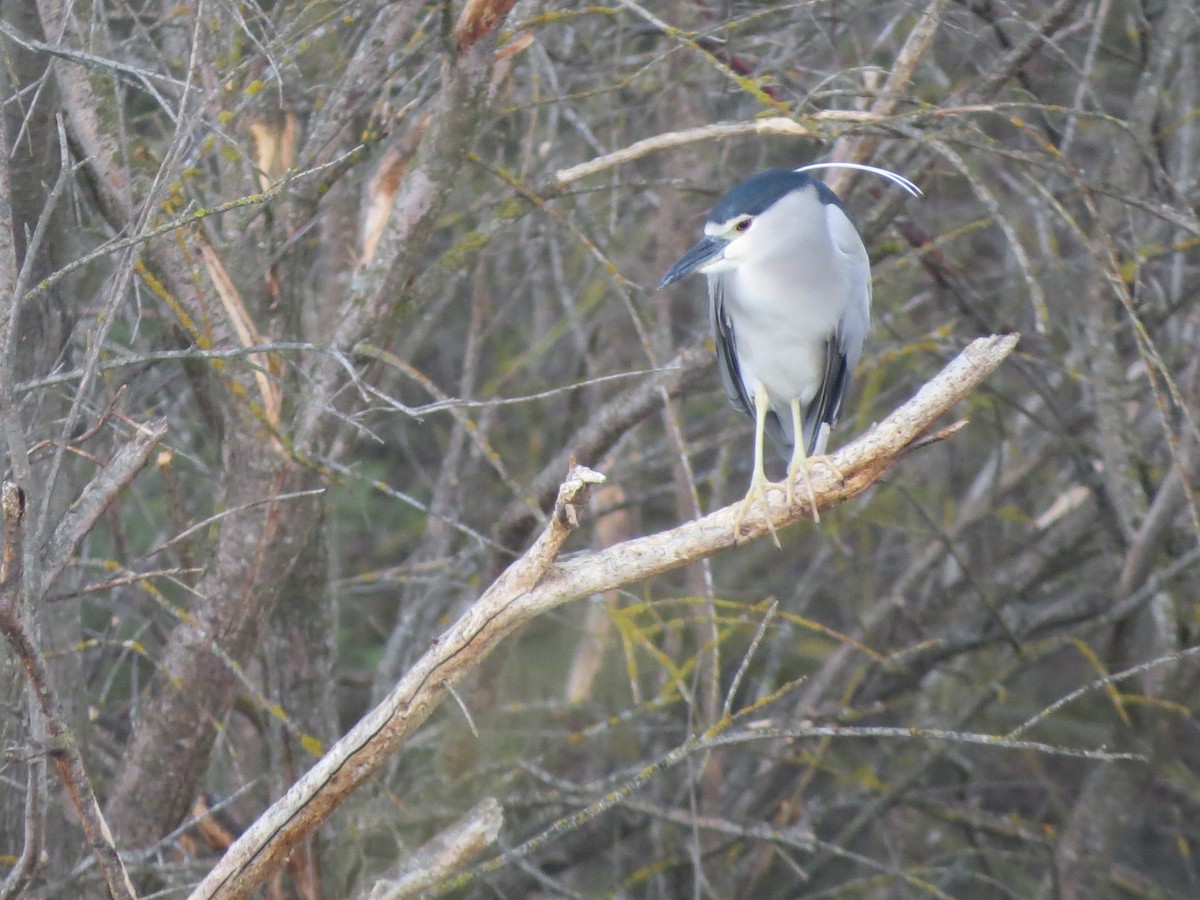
(789, 292)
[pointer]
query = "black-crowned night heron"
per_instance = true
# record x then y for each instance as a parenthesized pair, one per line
(789, 286)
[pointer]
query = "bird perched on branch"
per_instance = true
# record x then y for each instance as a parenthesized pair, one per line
(789, 286)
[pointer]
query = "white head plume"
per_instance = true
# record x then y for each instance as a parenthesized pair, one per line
(883, 173)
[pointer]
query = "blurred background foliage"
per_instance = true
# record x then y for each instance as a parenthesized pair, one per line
(1048, 546)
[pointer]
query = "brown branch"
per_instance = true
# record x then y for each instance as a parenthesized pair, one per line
(380, 293)
(478, 19)
(535, 584)
(61, 742)
(11, 571)
(862, 463)
(8, 243)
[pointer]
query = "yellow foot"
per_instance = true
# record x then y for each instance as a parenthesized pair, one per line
(827, 462)
(801, 470)
(758, 491)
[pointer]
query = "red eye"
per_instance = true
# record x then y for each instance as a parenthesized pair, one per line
(743, 225)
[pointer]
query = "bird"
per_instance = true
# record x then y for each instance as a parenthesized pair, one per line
(789, 287)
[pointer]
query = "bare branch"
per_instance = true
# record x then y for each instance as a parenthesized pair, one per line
(535, 584)
(478, 18)
(443, 854)
(292, 233)
(776, 125)
(898, 83)
(63, 749)
(596, 436)
(95, 498)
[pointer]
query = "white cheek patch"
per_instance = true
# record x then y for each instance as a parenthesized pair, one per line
(721, 264)
(734, 250)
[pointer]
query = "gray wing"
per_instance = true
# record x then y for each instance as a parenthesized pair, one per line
(844, 347)
(727, 363)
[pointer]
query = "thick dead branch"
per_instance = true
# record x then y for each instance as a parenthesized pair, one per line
(862, 463)
(536, 584)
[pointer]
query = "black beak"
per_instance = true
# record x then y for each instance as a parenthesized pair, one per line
(706, 251)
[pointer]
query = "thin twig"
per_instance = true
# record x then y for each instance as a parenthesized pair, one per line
(1100, 683)
(95, 498)
(759, 634)
(62, 747)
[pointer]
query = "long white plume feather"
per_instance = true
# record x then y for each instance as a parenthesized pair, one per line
(883, 173)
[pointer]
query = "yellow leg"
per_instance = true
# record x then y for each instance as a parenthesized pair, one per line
(799, 463)
(758, 481)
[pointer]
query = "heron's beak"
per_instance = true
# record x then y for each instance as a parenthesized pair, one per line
(707, 251)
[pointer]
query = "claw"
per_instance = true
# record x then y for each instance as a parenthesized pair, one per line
(827, 462)
(758, 483)
(800, 468)
(757, 491)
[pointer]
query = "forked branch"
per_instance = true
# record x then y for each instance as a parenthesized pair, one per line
(537, 583)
